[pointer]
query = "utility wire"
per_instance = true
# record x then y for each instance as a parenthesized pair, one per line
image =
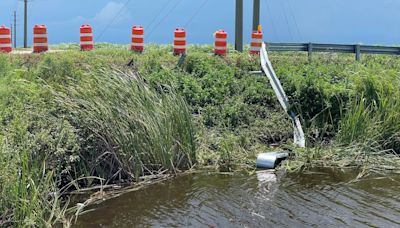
(158, 14)
(272, 21)
(294, 19)
(287, 21)
(196, 13)
(165, 17)
(115, 17)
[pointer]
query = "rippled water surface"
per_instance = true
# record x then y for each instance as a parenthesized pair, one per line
(324, 199)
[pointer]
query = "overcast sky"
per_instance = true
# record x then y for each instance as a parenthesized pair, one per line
(324, 21)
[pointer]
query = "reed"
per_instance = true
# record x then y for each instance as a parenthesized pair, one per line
(63, 129)
(135, 129)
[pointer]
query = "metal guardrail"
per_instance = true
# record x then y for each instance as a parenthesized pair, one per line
(356, 49)
(299, 138)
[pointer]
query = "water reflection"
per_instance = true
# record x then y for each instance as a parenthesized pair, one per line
(325, 198)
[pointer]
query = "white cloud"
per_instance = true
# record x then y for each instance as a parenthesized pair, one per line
(114, 12)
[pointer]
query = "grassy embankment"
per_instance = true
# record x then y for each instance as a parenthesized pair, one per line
(73, 120)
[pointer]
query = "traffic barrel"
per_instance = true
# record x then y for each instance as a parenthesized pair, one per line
(86, 38)
(40, 41)
(5, 39)
(179, 41)
(137, 38)
(221, 44)
(256, 41)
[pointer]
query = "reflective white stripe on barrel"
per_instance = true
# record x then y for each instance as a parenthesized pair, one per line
(39, 35)
(86, 34)
(40, 45)
(137, 45)
(179, 46)
(257, 40)
(87, 42)
(137, 36)
(5, 45)
(180, 39)
(220, 48)
(255, 48)
(5, 36)
(220, 39)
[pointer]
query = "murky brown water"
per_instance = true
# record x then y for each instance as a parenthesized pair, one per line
(324, 199)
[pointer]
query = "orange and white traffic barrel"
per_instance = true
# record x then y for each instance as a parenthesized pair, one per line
(221, 43)
(256, 41)
(137, 38)
(86, 38)
(179, 41)
(5, 39)
(40, 41)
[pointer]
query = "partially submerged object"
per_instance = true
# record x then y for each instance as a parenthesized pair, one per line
(271, 160)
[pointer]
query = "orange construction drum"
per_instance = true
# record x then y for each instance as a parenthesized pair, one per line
(256, 41)
(137, 38)
(179, 41)
(86, 38)
(5, 39)
(221, 44)
(40, 41)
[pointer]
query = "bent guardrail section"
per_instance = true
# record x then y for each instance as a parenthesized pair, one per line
(299, 138)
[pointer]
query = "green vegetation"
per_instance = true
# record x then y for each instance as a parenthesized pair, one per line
(75, 119)
(63, 129)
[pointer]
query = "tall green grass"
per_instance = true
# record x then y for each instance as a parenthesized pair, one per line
(28, 192)
(373, 116)
(134, 129)
(60, 124)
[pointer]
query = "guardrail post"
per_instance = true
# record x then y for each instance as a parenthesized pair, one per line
(310, 49)
(358, 52)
